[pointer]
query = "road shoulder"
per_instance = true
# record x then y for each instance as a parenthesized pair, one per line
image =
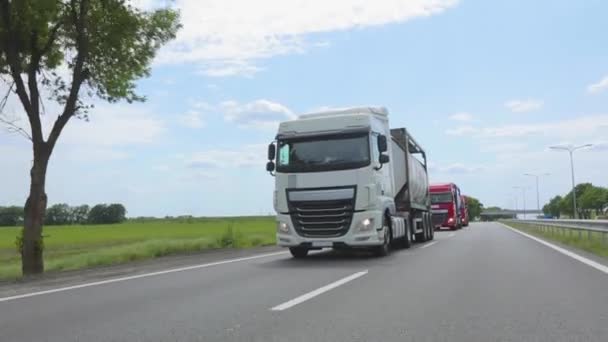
(70, 278)
(588, 255)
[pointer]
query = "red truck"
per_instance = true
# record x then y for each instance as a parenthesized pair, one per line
(446, 206)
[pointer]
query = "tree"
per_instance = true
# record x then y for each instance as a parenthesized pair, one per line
(105, 44)
(115, 213)
(97, 214)
(58, 214)
(107, 214)
(593, 199)
(80, 214)
(475, 207)
(553, 208)
(566, 205)
(11, 216)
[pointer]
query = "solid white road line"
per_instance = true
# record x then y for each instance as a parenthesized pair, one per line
(429, 244)
(145, 275)
(451, 235)
(564, 251)
(317, 292)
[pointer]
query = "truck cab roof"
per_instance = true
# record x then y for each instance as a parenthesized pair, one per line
(441, 187)
(382, 111)
(354, 119)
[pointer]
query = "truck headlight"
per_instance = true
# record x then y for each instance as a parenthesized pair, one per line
(366, 224)
(282, 227)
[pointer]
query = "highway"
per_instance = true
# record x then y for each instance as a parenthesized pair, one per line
(482, 283)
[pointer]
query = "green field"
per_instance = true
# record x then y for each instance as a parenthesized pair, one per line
(74, 247)
(594, 242)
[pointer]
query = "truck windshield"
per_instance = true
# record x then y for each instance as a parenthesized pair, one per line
(444, 197)
(325, 153)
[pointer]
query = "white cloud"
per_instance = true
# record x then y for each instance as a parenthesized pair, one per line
(115, 125)
(461, 130)
(510, 147)
(455, 168)
(584, 126)
(230, 68)
(259, 114)
(600, 146)
(191, 119)
(599, 86)
(464, 117)
(109, 124)
(226, 37)
(91, 154)
(246, 156)
(523, 106)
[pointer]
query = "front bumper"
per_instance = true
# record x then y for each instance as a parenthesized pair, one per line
(353, 238)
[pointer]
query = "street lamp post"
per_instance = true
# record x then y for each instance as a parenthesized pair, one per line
(523, 192)
(537, 176)
(571, 150)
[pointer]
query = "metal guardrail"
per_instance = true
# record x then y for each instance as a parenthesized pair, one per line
(568, 227)
(592, 225)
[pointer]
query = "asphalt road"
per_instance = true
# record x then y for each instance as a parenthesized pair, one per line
(484, 283)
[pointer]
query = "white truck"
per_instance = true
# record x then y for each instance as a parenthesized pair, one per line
(344, 179)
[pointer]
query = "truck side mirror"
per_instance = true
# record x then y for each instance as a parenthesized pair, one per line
(270, 166)
(382, 145)
(272, 151)
(384, 159)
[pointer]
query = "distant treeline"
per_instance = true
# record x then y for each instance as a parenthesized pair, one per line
(591, 201)
(63, 214)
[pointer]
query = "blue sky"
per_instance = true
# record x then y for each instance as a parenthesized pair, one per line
(484, 86)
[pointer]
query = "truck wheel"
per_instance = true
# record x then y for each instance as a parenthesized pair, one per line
(407, 239)
(432, 228)
(421, 237)
(385, 248)
(298, 252)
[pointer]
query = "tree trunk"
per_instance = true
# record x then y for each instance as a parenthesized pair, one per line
(32, 261)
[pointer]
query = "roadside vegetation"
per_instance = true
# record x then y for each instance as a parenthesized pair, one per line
(80, 246)
(592, 203)
(593, 242)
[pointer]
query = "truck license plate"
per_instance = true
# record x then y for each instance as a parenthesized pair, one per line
(322, 244)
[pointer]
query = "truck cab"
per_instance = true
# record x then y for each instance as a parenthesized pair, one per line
(446, 205)
(335, 181)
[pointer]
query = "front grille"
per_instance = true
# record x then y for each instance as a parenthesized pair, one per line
(322, 218)
(439, 218)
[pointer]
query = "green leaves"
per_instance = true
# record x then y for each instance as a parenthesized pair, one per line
(122, 45)
(475, 207)
(116, 41)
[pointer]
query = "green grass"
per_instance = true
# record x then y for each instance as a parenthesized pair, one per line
(594, 242)
(76, 247)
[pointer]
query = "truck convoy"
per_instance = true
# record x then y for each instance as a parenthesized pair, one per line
(344, 179)
(447, 206)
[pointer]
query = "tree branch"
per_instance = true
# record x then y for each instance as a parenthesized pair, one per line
(52, 37)
(79, 74)
(15, 68)
(12, 127)
(5, 98)
(32, 82)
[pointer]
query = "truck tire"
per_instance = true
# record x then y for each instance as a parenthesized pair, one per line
(385, 248)
(298, 252)
(432, 230)
(421, 237)
(407, 239)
